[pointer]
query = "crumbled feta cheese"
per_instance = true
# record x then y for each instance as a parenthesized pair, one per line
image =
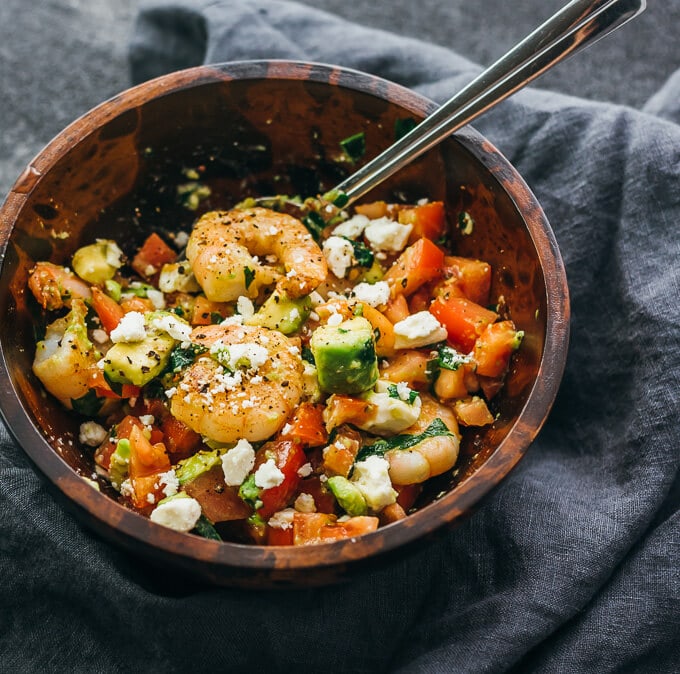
(168, 482)
(177, 277)
(305, 503)
(100, 336)
(373, 294)
(174, 326)
(282, 519)
(147, 419)
(305, 470)
(335, 319)
(233, 356)
(372, 478)
(389, 415)
(157, 298)
(92, 434)
(130, 328)
(178, 513)
(237, 463)
(339, 254)
(236, 319)
(387, 235)
(181, 239)
(245, 307)
(403, 390)
(316, 298)
(418, 330)
(352, 228)
(112, 253)
(268, 475)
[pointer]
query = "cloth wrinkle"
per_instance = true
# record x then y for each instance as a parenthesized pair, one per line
(571, 564)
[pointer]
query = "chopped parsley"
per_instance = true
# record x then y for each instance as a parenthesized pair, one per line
(314, 223)
(204, 527)
(436, 429)
(354, 146)
(249, 275)
(183, 357)
(393, 392)
(362, 253)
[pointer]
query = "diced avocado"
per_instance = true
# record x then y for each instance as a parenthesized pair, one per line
(98, 262)
(281, 313)
(372, 274)
(349, 496)
(345, 356)
(201, 462)
(138, 362)
(135, 360)
(118, 466)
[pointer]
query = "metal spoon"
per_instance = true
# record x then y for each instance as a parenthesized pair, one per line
(575, 26)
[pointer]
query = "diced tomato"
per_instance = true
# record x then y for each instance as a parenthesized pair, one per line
(289, 457)
(146, 458)
(392, 513)
(323, 498)
(494, 347)
(180, 440)
(108, 310)
(279, 536)
(421, 262)
(102, 388)
(205, 310)
(307, 425)
(472, 277)
(397, 309)
(153, 254)
(428, 220)
(384, 345)
(341, 408)
(420, 300)
(219, 502)
(464, 320)
(409, 365)
(313, 528)
(134, 303)
(472, 411)
(147, 462)
(407, 495)
(374, 210)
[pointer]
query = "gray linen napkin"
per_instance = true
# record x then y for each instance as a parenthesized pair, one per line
(570, 566)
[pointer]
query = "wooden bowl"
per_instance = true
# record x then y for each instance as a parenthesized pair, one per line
(266, 128)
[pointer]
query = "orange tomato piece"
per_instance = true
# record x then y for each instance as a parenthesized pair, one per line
(494, 347)
(153, 254)
(384, 345)
(108, 310)
(421, 262)
(472, 277)
(428, 220)
(472, 412)
(341, 408)
(307, 425)
(464, 320)
(204, 310)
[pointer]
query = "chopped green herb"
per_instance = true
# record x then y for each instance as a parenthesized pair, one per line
(354, 146)
(362, 253)
(435, 429)
(403, 126)
(88, 405)
(307, 355)
(393, 392)
(204, 527)
(250, 493)
(336, 197)
(447, 358)
(183, 357)
(249, 275)
(314, 223)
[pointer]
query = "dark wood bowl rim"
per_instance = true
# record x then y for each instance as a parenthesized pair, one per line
(100, 509)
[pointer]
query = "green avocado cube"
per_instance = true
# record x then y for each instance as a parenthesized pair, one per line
(345, 356)
(348, 495)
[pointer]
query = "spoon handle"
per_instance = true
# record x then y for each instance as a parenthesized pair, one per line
(577, 25)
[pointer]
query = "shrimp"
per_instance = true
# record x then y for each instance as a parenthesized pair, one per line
(245, 387)
(65, 359)
(54, 286)
(430, 457)
(224, 249)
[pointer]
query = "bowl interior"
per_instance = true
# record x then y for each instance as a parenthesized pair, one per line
(258, 129)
